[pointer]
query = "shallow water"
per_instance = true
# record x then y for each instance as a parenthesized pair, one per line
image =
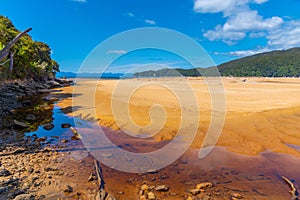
(254, 177)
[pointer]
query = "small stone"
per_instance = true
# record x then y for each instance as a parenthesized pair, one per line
(20, 124)
(189, 198)
(41, 139)
(67, 188)
(19, 150)
(236, 196)
(24, 197)
(204, 185)
(195, 191)
(161, 188)
(151, 196)
(144, 187)
(4, 172)
(30, 117)
(164, 177)
(64, 141)
(143, 197)
(65, 125)
(48, 127)
(152, 171)
(91, 177)
(51, 168)
(121, 192)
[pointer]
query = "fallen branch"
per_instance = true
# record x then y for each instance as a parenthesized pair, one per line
(102, 194)
(5, 51)
(294, 190)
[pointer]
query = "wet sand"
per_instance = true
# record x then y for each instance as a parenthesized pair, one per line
(259, 142)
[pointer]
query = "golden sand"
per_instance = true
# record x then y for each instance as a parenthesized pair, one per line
(261, 113)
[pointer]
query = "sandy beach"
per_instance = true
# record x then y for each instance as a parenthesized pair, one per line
(262, 114)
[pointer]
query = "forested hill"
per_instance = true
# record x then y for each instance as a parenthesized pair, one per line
(26, 59)
(283, 63)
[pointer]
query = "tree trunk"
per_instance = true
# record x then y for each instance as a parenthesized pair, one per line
(4, 52)
(11, 63)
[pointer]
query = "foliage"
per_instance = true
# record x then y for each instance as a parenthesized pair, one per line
(285, 63)
(31, 59)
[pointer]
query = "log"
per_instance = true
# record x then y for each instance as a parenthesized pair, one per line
(293, 188)
(4, 52)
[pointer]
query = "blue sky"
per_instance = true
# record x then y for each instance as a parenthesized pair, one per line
(227, 29)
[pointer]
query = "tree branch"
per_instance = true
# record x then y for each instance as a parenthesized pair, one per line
(4, 52)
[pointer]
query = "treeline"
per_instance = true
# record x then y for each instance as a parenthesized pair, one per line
(31, 59)
(284, 63)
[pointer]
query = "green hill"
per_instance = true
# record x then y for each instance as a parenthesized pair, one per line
(283, 63)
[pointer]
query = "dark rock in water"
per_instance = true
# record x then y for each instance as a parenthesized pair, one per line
(42, 139)
(30, 117)
(64, 141)
(48, 127)
(20, 124)
(66, 125)
(4, 172)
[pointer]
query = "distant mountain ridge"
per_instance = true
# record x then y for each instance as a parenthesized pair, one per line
(279, 63)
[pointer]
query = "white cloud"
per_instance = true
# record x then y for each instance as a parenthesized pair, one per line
(241, 21)
(80, 1)
(116, 52)
(151, 22)
(287, 36)
(244, 53)
(130, 14)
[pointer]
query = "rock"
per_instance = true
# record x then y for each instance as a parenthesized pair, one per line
(64, 141)
(19, 150)
(144, 187)
(30, 117)
(189, 198)
(51, 168)
(20, 124)
(195, 191)
(162, 188)
(236, 196)
(66, 125)
(151, 196)
(206, 197)
(204, 185)
(3, 189)
(48, 127)
(67, 188)
(24, 197)
(152, 171)
(92, 177)
(42, 139)
(121, 192)
(4, 172)
(143, 197)
(164, 177)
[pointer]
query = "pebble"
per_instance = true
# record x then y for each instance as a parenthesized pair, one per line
(204, 185)
(4, 172)
(144, 187)
(67, 188)
(195, 191)
(236, 196)
(24, 197)
(162, 188)
(151, 196)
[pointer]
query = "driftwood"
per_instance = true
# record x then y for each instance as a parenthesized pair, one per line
(294, 190)
(4, 52)
(102, 194)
